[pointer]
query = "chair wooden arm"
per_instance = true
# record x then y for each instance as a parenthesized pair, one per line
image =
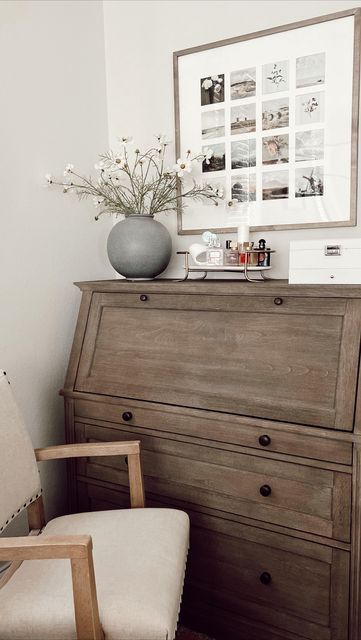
(130, 448)
(78, 549)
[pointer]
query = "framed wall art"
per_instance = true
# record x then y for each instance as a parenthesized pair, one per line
(278, 110)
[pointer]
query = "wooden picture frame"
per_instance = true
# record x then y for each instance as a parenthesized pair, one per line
(331, 180)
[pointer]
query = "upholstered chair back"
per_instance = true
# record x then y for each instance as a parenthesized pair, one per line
(19, 476)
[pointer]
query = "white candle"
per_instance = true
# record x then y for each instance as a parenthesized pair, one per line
(243, 233)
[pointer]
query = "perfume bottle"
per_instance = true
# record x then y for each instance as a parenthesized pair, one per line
(214, 254)
(262, 255)
(231, 256)
(243, 256)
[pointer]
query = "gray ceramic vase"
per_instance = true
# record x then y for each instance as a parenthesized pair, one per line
(139, 247)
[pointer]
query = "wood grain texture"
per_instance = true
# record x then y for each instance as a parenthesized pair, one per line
(268, 361)
(78, 549)
(36, 514)
(130, 448)
(44, 547)
(214, 427)
(98, 495)
(78, 339)
(302, 497)
(271, 288)
(306, 578)
(203, 370)
(87, 620)
(355, 603)
(87, 449)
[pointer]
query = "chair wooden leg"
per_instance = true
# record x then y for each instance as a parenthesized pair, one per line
(36, 514)
(135, 481)
(87, 620)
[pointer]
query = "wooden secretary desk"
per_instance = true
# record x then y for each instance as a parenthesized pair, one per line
(247, 403)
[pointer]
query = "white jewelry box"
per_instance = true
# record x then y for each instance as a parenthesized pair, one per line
(325, 261)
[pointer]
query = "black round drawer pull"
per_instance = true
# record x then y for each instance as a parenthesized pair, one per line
(143, 297)
(265, 577)
(264, 440)
(278, 301)
(265, 490)
(127, 415)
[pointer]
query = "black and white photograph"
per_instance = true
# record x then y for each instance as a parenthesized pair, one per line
(275, 114)
(217, 161)
(243, 118)
(275, 149)
(275, 77)
(243, 153)
(212, 123)
(310, 108)
(309, 182)
(310, 70)
(309, 145)
(244, 187)
(243, 83)
(274, 185)
(212, 89)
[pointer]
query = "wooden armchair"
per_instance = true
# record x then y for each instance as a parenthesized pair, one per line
(139, 554)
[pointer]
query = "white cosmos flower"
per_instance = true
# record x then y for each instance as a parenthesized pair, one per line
(162, 139)
(49, 178)
(207, 83)
(119, 160)
(97, 201)
(99, 166)
(182, 166)
(68, 169)
(124, 140)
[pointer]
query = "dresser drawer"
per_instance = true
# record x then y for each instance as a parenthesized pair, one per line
(262, 356)
(293, 587)
(284, 493)
(258, 584)
(219, 429)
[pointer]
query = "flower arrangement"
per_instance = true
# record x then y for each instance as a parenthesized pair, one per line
(139, 183)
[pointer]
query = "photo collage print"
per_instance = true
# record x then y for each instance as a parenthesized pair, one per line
(254, 119)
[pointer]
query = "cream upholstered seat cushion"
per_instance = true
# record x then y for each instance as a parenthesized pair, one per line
(139, 559)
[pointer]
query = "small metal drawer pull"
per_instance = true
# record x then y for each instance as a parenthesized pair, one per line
(264, 440)
(265, 490)
(278, 301)
(127, 415)
(143, 297)
(265, 577)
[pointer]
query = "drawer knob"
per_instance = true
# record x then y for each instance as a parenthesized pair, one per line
(278, 301)
(265, 490)
(264, 440)
(143, 297)
(265, 577)
(127, 415)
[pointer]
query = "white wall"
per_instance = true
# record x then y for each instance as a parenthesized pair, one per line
(140, 37)
(52, 111)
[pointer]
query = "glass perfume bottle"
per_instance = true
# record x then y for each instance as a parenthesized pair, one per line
(214, 254)
(262, 255)
(231, 256)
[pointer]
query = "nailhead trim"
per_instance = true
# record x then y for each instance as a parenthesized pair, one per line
(26, 504)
